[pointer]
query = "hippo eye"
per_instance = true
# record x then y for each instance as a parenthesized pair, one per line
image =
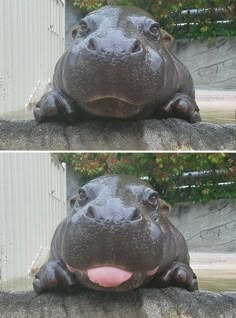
(155, 29)
(83, 28)
(82, 195)
(153, 199)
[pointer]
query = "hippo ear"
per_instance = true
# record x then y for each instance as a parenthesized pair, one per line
(71, 202)
(167, 39)
(164, 207)
(74, 32)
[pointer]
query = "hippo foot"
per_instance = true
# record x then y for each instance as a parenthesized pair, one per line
(178, 275)
(54, 105)
(54, 275)
(182, 106)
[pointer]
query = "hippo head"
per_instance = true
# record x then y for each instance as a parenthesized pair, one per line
(115, 66)
(112, 239)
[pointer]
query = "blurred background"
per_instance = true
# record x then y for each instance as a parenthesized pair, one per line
(37, 190)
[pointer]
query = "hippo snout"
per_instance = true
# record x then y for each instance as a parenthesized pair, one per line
(110, 46)
(96, 213)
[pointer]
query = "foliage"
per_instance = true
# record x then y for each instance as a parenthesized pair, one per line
(202, 25)
(177, 176)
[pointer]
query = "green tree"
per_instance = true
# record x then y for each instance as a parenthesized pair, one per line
(201, 25)
(197, 177)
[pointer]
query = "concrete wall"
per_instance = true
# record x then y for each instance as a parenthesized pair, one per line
(207, 228)
(32, 203)
(212, 63)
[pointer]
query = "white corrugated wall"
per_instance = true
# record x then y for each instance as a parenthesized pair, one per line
(32, 38)
(32, 203)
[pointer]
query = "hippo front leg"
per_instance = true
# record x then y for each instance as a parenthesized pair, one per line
(54, 275)
(54, 104)
(178, 275)
(182, 106)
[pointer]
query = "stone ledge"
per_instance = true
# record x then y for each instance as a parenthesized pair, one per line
(212, 63)
(99, 134)
(142, 303)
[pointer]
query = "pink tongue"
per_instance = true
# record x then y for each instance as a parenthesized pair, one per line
(108, 276)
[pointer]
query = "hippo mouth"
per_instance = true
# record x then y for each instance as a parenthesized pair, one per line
(109, 276)
(112, 107)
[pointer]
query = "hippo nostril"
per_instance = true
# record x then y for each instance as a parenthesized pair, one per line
(135, 215)
(92, 45)
(91, 212)
(137, 47)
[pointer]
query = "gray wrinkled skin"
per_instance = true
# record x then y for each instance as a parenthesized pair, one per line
(117, 221)
(119, 66)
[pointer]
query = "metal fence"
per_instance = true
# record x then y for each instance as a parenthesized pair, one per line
(214, 21)
(32, 203)
(31, 40)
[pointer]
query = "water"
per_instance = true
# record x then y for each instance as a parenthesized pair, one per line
(218, 284)
(217, 107)
(215, 271)
(24, 283)
(217, 117)
(23, 114)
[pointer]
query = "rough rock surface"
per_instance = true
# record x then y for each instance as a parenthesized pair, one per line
(99, 134)
(142, 303)
(207, 227)
(212, 63)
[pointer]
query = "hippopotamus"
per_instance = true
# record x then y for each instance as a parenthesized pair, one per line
(117, 238)
(119, 66)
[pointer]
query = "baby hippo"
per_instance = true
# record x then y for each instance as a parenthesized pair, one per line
(119, 66)
(117, 238)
